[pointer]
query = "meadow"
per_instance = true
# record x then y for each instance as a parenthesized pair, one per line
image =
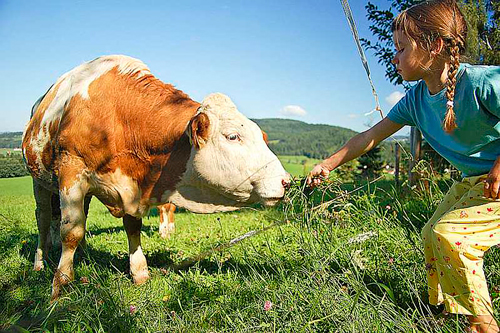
(344, 257)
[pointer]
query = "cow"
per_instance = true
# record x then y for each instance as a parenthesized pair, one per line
(110, 129)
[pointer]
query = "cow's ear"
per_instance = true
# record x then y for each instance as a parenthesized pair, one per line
(264, 135)
(199, 129)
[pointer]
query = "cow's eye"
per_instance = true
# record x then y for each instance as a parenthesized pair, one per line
(233, 137)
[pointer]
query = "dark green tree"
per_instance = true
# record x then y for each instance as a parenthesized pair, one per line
(370, 164)
(483, 42)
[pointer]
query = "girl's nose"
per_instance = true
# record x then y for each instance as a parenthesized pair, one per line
(394, 59)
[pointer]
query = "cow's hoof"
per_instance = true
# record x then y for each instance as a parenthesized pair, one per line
(141, 277)
(164, 234)
(38, 266)
(166, 230)
(60, 279)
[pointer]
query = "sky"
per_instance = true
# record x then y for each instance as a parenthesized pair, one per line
(275, 59)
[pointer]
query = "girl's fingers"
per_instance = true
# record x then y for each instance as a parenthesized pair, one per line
(494, 189)
(486, 188)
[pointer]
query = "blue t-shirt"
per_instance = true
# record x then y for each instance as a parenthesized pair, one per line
(474, 145)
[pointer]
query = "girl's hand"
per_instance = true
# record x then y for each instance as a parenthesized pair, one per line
(492, 182)
(317, 174)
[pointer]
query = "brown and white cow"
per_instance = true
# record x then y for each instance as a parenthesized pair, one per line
(110, 129)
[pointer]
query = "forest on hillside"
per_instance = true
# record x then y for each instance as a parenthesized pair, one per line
(293, 137)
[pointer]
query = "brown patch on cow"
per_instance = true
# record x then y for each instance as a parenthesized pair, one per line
(35, 123)
(32, 130)
(169, 210)
(47, 157)
(173, 169)
(71, 240)
(135, 124)
(31, 161)
(264, 135)
(200, 129)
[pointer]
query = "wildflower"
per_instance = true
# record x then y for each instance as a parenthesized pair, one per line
(428, 267)
(362, 237)
(489, 209)
(268, 305)
(458, 243)
(132, 309)
(463, 214)
(24, 241)
(388, 207)
(165, 298)
(391, 261)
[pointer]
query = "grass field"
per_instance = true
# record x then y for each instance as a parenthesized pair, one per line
(297, 165)
(5, 151)
(352, 265)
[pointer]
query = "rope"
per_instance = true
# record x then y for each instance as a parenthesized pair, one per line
(354, 30)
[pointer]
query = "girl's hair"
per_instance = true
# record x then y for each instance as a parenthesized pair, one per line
(428, 21)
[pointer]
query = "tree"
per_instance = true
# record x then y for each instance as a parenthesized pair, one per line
(483, 42)
(370, 164)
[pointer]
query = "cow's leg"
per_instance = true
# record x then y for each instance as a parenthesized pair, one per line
(167, 219)
(55, 224)
(86, 206)
(138, 264)
(72, 194)
(43, 217)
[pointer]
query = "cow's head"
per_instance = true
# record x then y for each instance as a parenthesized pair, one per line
(230, 164)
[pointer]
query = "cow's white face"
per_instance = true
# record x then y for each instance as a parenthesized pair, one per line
(230, 162)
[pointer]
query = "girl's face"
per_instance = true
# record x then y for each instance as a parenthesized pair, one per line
(410, 60)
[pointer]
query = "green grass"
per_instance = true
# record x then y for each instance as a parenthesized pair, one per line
(5, 151)
(298, 165)
(315, 276)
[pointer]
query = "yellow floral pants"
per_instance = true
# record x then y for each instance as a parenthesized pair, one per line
(465, 225)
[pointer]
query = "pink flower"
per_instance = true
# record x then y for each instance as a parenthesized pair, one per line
(132, 309)
(391, 261)
(268, 305)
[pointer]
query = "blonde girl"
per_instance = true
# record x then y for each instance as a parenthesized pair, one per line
(457, 108)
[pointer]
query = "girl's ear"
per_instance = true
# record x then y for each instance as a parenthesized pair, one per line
(437, 46)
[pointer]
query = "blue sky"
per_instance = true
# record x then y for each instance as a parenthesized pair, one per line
(275, 59)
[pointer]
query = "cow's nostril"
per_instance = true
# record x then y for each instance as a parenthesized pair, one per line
(285, 183)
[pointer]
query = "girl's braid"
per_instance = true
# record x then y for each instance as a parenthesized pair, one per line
(449, 123)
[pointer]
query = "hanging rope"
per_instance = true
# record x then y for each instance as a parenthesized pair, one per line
(354, 30)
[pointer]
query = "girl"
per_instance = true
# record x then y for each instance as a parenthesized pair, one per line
(457, 109)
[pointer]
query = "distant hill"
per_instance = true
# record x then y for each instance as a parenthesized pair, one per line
(11, 139)
(293, 137)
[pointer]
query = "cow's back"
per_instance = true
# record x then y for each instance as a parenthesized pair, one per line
(108, 113)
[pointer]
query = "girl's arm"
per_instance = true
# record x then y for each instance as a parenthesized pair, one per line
(355, 147)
